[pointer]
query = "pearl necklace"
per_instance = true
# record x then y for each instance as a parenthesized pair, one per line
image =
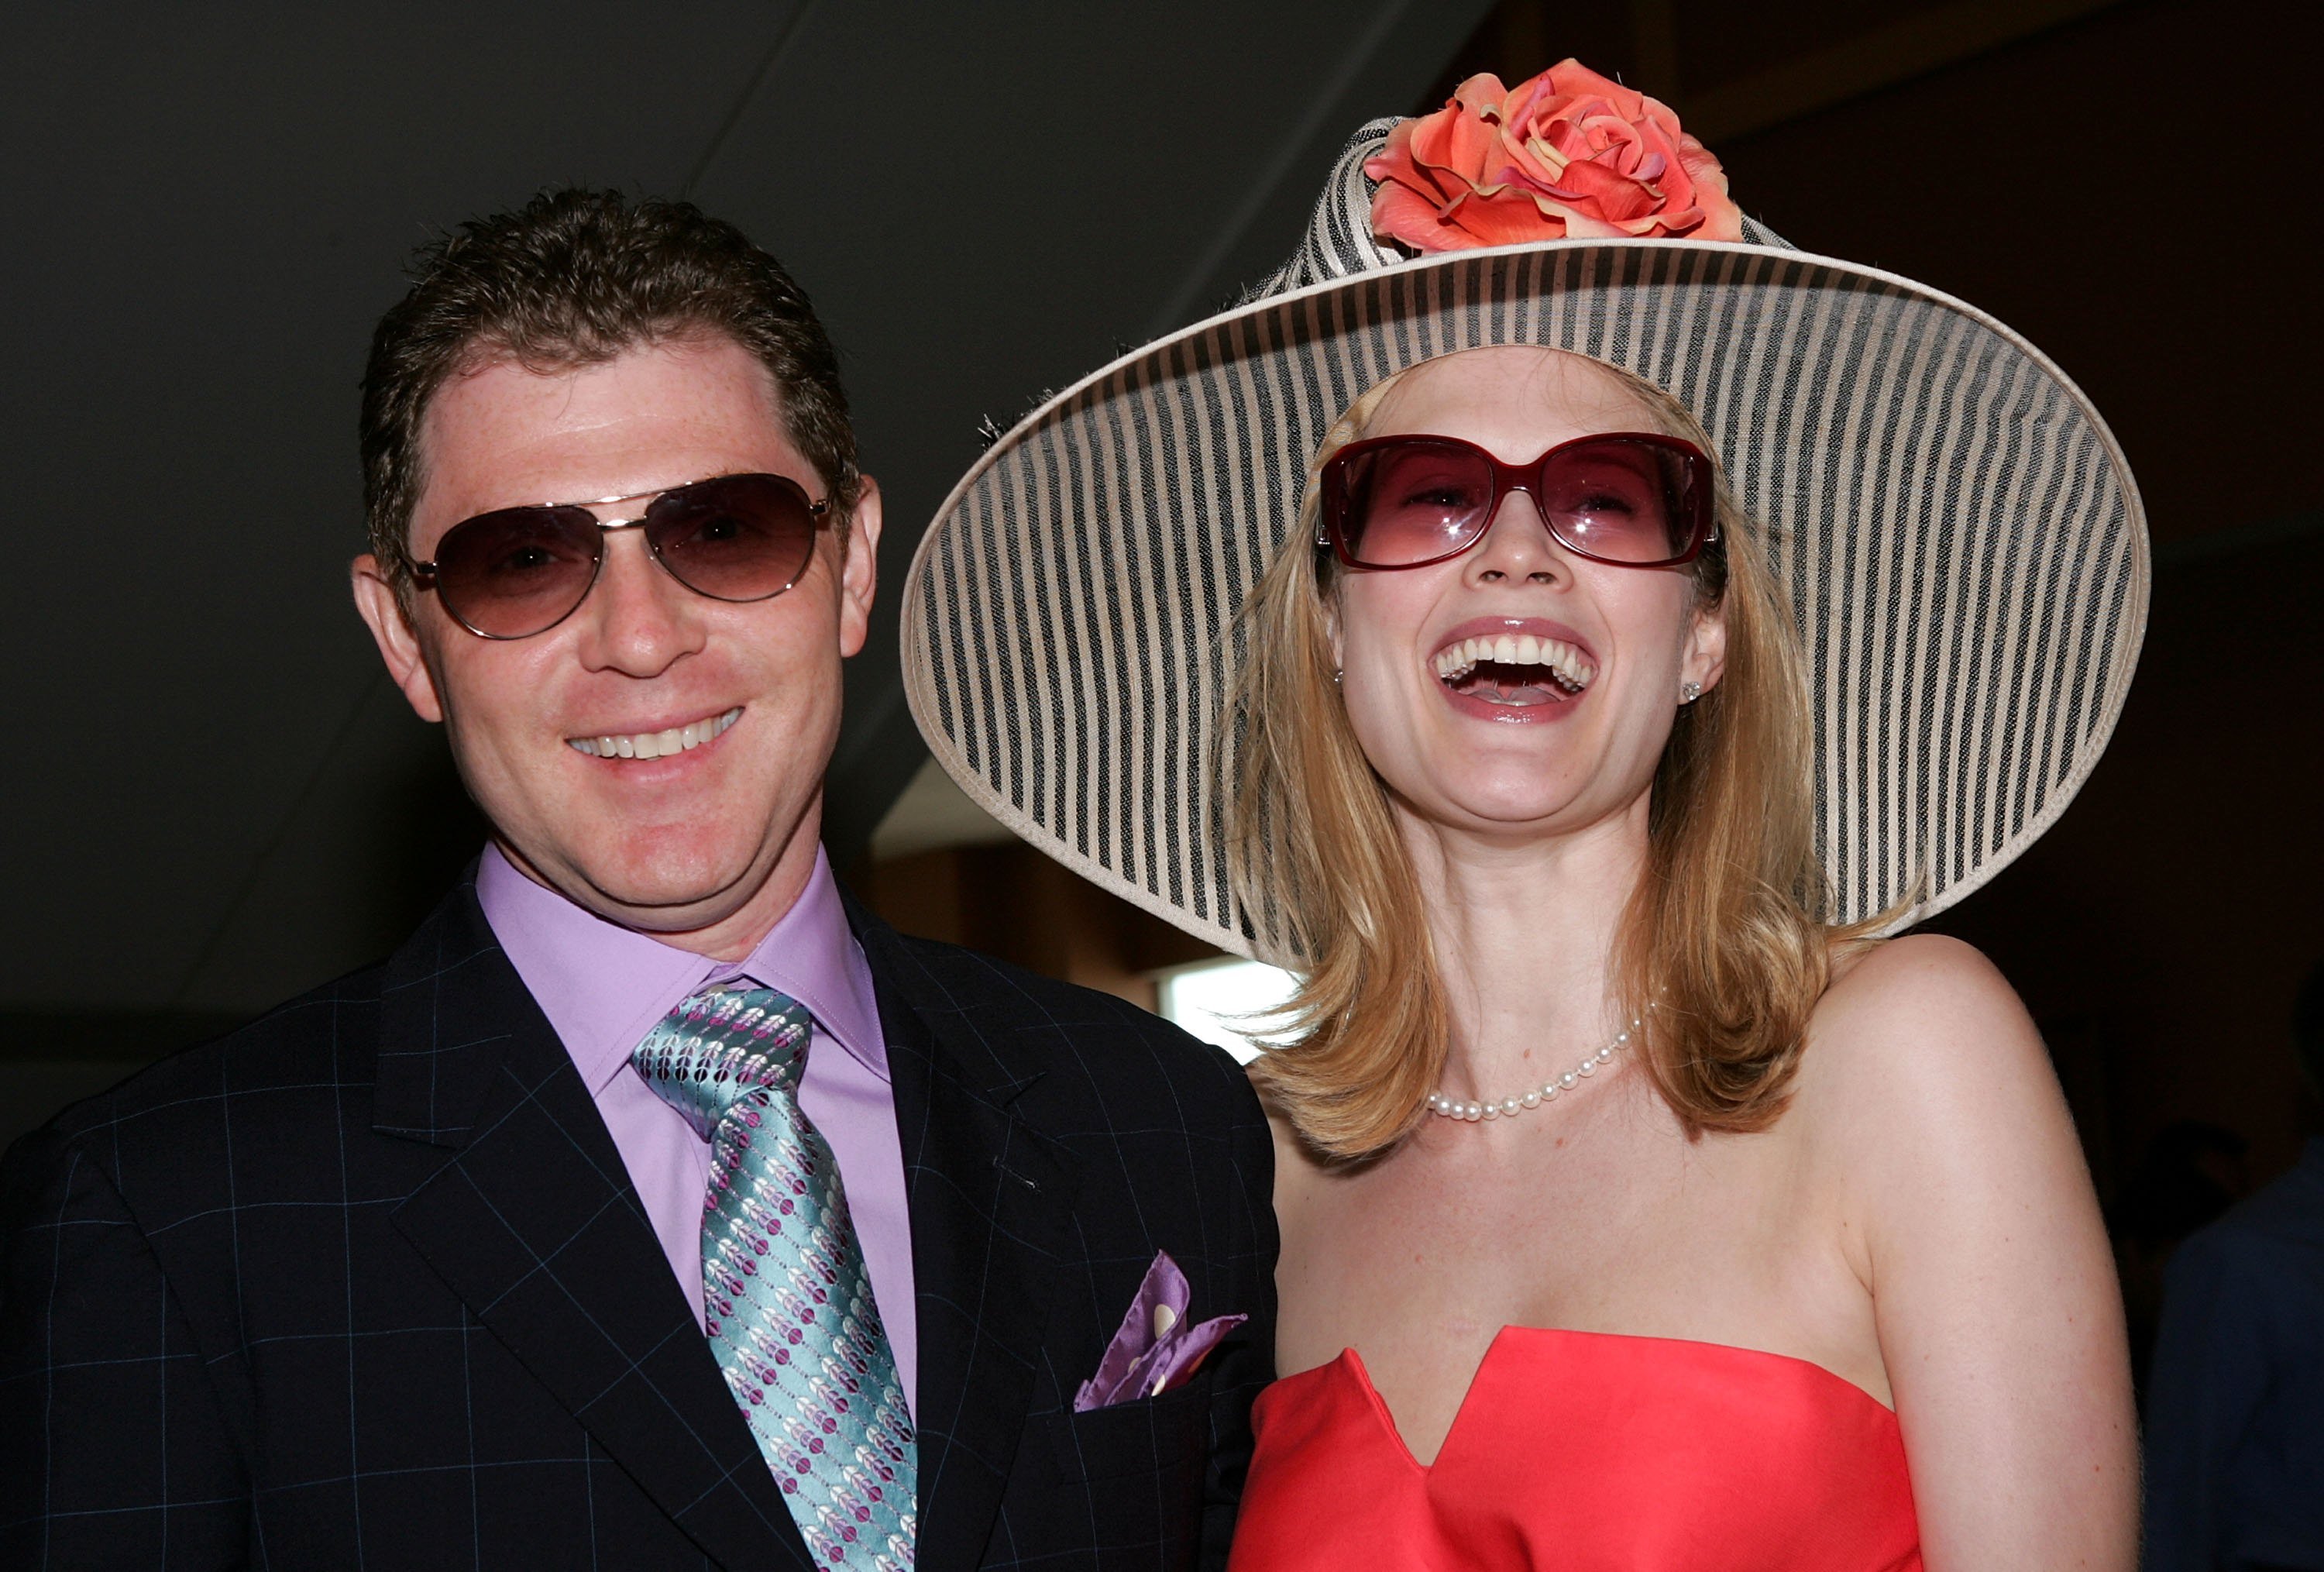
(1532, 1096)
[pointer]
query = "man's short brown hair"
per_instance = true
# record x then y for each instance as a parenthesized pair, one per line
(576, 278)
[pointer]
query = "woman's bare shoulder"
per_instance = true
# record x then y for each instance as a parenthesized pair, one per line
(1965, 1205)
(1917, 967)
(1920, 1039)
(1924, 997)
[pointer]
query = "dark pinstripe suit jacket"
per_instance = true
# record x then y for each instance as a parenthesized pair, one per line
(364, 1284)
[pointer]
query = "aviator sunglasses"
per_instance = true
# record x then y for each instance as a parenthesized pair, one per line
(515, 572)
(1636, 499)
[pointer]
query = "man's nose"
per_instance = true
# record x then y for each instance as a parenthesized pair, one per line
(638, 619)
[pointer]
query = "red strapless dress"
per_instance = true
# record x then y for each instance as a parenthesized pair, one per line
(1584, 1452)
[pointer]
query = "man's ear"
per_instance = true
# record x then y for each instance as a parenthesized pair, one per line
(1704, 659)
(859, 573)
(398, 640)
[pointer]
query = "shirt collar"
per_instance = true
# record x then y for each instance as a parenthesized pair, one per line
(603, 986)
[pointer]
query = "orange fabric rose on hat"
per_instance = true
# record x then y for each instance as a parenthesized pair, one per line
(1567, 155)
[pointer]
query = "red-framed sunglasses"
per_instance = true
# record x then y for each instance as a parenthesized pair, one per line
(514, 572)
(1637, 499)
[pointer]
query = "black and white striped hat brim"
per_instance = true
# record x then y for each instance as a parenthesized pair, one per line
(1960, 534)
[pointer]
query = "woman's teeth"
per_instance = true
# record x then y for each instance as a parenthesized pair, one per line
(657, 744)
(1564, 662)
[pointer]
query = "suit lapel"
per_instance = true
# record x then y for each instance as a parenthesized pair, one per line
(535, 1225)
(990, 1200)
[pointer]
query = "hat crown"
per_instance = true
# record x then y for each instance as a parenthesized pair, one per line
(1339, 242)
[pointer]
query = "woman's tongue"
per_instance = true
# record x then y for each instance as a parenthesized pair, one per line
(1515, 685)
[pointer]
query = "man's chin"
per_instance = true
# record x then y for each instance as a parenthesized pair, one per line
(710, 875)
(656, 896)
(667, 915)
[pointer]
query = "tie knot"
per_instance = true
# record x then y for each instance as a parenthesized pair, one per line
(713, 1047)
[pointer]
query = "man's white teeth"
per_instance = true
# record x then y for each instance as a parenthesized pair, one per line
(1565, 664)
(657, 744)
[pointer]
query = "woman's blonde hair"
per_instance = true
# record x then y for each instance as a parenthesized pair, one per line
(1729, 930)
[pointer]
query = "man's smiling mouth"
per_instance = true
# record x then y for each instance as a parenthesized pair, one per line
(656, 744)
(1514, 669)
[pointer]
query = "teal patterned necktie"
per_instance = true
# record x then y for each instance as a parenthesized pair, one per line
(786, 1301)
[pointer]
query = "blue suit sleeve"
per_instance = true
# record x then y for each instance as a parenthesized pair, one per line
(2207, 1383)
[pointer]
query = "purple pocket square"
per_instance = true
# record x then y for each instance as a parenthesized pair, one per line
(1155, 1348)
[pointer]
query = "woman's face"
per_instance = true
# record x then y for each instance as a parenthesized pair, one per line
(1506, 748)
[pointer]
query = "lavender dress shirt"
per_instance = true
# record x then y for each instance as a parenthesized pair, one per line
(603, 986)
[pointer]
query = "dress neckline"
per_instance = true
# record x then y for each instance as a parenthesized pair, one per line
(1351, 1365)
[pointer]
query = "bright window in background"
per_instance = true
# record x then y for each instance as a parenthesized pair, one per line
(1206, 1000)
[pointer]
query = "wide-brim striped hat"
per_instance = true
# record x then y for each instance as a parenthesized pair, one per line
(1959, 532)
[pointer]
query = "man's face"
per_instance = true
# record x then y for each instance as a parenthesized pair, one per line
(708, 845)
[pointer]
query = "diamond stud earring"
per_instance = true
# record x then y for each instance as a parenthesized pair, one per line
(1688, 692)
